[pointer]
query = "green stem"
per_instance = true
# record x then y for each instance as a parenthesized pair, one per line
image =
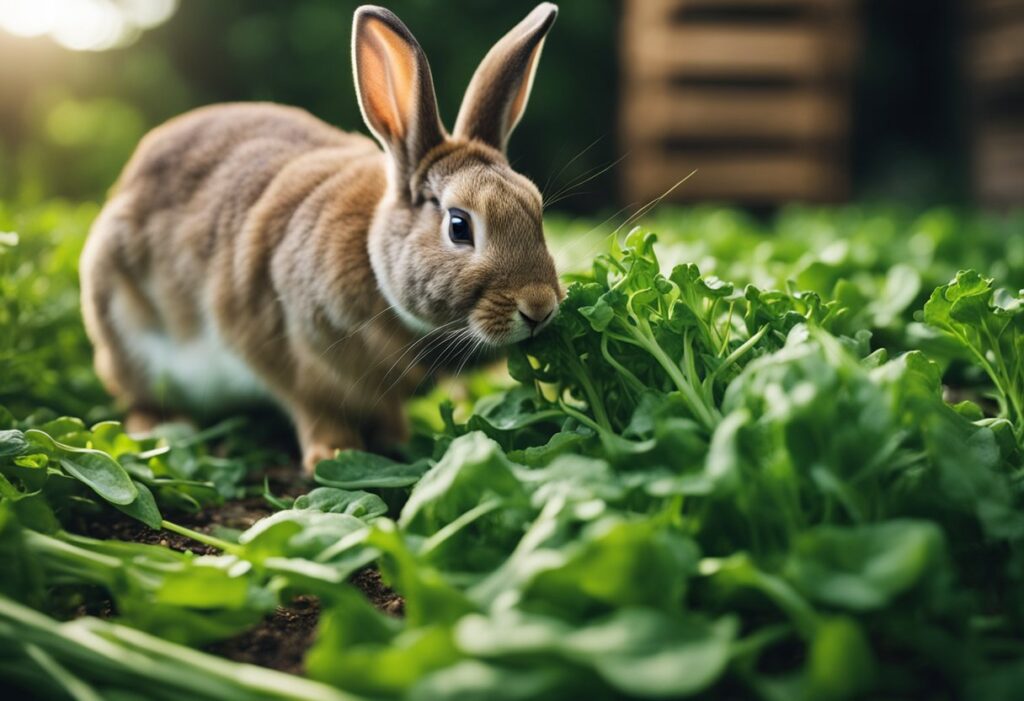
(582, 418)
(979, 356)
(68, 559)
(611, 441)
(215, 431)
(119, 657)
(205, 539)
(596, 405)
(627, 374)
(742, 349)
(450, 529)
(693, 399)
(76, 688)
(712, 327)
(728, 328)
(757, 641)
(786, 598)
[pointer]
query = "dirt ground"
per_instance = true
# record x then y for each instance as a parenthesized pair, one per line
(280, 641)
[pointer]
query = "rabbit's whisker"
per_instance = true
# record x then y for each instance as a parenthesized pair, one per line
(445, 343)
(645, 209)
(569, 163)
(401, 352)
(428, 338)
(356, 330)
(469, 354)
(436, 342)
(561, 250)
(566, 191)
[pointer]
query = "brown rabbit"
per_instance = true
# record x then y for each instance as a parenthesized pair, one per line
(252, 251)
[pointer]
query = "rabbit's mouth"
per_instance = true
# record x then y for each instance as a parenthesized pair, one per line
(503, 318)
(510, 325)
(493, 321)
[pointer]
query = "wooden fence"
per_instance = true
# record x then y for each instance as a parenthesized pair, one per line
(995, 73)
(753, 94)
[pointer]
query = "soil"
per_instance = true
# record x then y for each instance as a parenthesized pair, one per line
(378, 593)
(281, 640)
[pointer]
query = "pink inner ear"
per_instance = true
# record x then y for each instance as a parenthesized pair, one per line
(515, 110)
(388, 75)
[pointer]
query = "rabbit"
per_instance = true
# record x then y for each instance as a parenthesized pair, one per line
(253, 253)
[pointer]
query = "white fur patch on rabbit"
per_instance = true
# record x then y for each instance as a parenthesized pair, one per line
(202, 371)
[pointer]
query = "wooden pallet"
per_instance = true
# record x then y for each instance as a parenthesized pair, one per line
(753, 94)
(995, 72)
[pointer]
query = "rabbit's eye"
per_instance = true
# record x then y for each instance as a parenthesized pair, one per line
(460, 228)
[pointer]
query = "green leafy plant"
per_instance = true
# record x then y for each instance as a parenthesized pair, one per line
(695, 489)
(989, 324)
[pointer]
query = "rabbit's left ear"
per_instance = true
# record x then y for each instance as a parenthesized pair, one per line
(497, 95)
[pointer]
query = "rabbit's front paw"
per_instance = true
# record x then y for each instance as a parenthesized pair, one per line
(322, 441)
(314, 454)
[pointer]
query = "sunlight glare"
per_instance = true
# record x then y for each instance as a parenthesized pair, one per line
(148, 13)
(84, 25)
(27, 18)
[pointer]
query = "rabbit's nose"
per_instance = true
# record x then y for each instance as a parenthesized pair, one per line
(537, 306)
(533, 322)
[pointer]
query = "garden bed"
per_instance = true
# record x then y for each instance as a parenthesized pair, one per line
(685, 487)
(282, 638)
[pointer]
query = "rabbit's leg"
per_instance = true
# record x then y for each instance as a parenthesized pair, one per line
(113, 309)
(321, 434)
(389, 426)
(123, 372)
(116, 311)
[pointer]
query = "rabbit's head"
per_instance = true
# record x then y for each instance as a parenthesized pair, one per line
(458, 239)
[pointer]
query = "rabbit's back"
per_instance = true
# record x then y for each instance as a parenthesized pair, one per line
(224, 155)
(208, 215)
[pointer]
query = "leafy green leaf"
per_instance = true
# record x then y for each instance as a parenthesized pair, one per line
(360, 504)
(12, 442)
(637, 651)
(355, 469)
(102, 474)
(865, 567)
(143, 508)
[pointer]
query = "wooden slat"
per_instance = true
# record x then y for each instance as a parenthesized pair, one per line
(998, 53)
(999, 163)
(713, 50)
(655, 112)
(654, 11)
(756, 179)
(1003, 189)
(743, 4)
(684, 106)
(1001, 142)
(993, 8)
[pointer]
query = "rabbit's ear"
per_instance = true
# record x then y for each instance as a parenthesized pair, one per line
(396, 92)
(497, 95)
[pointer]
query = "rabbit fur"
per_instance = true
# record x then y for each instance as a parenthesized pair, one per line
(253, 252)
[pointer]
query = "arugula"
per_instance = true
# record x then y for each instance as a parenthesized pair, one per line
(989, 324)
(697, 488)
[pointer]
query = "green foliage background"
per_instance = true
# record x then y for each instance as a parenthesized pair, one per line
(69, 121)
